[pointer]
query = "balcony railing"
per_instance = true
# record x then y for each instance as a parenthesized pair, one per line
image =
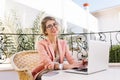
(11, 43)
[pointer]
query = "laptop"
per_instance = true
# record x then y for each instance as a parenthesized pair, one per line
(98, 58)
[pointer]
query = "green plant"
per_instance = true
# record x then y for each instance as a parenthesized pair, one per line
(1, 23)
(27, 42)
(8, 46)
(114, 54)
(36, 25)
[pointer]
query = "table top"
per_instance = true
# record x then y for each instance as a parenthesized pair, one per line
(109, 74)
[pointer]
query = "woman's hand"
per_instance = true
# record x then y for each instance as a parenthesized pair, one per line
(85, 62)
(80, 64)
(74, 65)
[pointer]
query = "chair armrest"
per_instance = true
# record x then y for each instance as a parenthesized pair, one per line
(25, 75)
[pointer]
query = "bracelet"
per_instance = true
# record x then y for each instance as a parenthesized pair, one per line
(60, 66)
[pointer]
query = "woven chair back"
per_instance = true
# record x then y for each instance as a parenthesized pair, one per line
(26, 59)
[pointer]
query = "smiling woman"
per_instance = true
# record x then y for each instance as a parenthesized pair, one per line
(53, 50)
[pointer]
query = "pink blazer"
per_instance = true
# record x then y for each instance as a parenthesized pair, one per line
(47, 57)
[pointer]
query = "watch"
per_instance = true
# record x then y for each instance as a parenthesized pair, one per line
(60, 66)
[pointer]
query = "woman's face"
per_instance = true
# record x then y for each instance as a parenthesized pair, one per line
(51, 28)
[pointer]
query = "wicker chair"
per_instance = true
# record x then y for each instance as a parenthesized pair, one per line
(23, 62)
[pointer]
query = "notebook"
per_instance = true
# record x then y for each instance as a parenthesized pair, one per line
(98, 58)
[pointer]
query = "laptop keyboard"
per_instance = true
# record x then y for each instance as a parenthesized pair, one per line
(78, 69)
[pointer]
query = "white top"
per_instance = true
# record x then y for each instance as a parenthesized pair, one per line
(110, 74)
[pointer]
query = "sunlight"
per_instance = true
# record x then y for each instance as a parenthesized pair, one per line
(2, 7)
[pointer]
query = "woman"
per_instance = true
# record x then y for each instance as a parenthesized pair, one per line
(52, 50)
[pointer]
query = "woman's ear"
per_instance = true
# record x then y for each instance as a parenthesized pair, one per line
(46, 33)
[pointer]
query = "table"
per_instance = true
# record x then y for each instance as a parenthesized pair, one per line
(7, 72)
(109, 74)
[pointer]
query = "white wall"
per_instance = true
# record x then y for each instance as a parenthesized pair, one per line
(26, 15)
(63, 9)
(108, 19)
(2, 7)
(52, 7)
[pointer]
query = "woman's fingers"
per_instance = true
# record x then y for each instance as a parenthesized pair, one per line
(85, 62)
